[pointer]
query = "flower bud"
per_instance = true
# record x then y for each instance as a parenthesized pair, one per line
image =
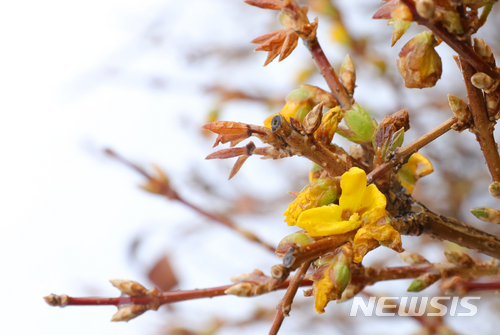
(493, 103)
(460, 109)
(127, 313)
(329, 125)
(495, 189)
(298, 238)
(482, 81)
(322, 192)
(360, 126)
(483, 50)
(348, 75)
(424, 281)
(332, 277)
(130, 287)
(459, 258)
(411, 259)
(486, 214)
(312, 120)
(419, 64)
(425, 8)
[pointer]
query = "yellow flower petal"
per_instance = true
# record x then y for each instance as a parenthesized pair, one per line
(353, 186)
(372, 205)
(368, 237)
(326, 220)
(417, 167)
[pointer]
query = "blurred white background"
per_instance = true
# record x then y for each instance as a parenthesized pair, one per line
(80, 76)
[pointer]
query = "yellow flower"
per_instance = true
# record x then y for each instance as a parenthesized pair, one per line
(320, 192)
(372, 235)
(358, 205)
(417, 167)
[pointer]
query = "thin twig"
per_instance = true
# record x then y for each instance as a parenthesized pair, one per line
(285, 305)
(364, 277)
(401, 155)
(171, 194)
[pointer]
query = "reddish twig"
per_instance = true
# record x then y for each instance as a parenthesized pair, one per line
(285, 305)
(401, 155)
(167, 191)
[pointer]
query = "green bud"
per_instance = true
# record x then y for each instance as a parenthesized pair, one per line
(298, 238)
(360, 125)
(321, 192)
(342, 276)
(495, 189)
(397, 139)
(416, 286)
(423, 282)
(486, 214)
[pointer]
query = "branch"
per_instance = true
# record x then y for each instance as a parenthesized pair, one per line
(424, 221)
(306, 145)
(325, 68)
(297, 254)
(285, 305)
(363, 276)
(162, 187)
(401, 155)
(461, 47)
(483, 127)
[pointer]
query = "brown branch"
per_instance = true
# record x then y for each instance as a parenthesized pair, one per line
(285, 305)
(423, 221)
(307, 32)
(297, 255)
(166, 190)
(460, 46)
(325, 68)
(305, 145)
(483, 127)
(401, 155)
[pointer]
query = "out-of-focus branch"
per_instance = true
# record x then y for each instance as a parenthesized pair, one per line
(163, 187)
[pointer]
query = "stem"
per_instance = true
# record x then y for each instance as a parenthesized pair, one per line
(286, 303)
(171, 194)
(297, 255)
(325, 68)
(461, 47)
(401, 155)
(367, 276)
(483, 127)
(307, 146)
(423, 221)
